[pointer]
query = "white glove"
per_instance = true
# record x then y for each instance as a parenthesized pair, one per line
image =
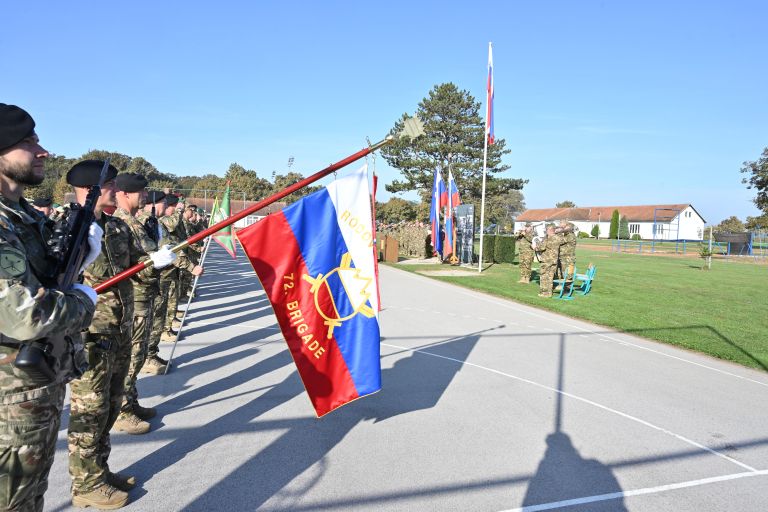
(90, 292)
(94, 245)
(163, 257)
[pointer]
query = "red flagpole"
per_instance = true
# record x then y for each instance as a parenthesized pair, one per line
(254, 208)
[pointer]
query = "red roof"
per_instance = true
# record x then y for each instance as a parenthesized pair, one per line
(645, 213)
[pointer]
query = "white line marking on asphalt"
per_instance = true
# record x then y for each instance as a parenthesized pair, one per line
(586, 401)
(555, 318)
(637, 492)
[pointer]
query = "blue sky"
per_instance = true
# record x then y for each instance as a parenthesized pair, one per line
(602, 103)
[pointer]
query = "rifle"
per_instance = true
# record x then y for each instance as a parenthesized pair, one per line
(152, 226)
(68, 247)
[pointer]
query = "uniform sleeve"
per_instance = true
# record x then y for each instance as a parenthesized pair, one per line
(140, 240)
(27, 310)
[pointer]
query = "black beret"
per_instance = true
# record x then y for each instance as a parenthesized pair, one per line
(42, 202)
(171, 199)
(155, 196)
(131, 182)
(192, 206)
(87, 172)
(15, 125)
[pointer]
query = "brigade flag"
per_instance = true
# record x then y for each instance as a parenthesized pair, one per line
(220, 212)
(439, 199)
(315, 261)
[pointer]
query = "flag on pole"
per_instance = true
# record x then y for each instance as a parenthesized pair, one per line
(453, 202)
(439, 199)
(315, 261)
(489, 112)
(220, 212)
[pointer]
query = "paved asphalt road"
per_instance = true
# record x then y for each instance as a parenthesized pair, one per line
(487, 405)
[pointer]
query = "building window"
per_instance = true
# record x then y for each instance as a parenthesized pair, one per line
(634, 229)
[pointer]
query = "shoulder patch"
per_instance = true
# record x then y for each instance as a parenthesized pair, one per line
(13, 262)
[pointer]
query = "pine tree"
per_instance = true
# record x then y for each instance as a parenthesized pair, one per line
(624, 229)
(452, 126)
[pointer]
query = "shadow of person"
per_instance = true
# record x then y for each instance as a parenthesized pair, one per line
(563, 474)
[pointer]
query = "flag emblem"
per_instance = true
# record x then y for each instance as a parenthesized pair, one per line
(355, 286)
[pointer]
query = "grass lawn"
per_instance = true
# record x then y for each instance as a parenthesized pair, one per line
(722, 312)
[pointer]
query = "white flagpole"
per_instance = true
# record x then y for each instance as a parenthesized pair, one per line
(485, 161)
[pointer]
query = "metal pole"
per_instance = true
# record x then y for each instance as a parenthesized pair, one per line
(189, 302)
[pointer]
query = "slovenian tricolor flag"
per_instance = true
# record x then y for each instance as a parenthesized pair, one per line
(453, 202)
(315, 261)
(439, 199)
(489, 101)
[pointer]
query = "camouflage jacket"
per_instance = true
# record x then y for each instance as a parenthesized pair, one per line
(550, 249)
(120, 251)
(527, 245)
(30, 307)
(568, 250)
(170, 223)
(143, 287)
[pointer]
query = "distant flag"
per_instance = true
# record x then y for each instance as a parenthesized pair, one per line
(439, 199)
(453, 202)
(315, 261)
(220, 212)
(489, 111)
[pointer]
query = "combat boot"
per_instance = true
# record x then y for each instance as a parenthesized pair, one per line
(176, 324)
(524, 281)
(168, 336)
(104, 497)
(145, 413)
(153, 366)
(123, 483)
(131, 424)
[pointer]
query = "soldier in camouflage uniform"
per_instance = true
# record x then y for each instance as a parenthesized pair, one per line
(32, 312)
(526, 253)
(97, 396)
(131, 195)
(548, 254)
(567, 262)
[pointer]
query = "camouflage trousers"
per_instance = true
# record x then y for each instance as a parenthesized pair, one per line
(526, 258)
(174, 290)
(142, 326)
(29, 424)
(566, 263)
(95, 404)
(159, 309)
(546, 275)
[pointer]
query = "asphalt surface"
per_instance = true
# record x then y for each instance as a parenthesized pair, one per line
(487, 405)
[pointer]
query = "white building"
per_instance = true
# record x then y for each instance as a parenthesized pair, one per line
(651, 222)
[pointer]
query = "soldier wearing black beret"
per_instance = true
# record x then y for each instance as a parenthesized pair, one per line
(34, 316)
(43, 205)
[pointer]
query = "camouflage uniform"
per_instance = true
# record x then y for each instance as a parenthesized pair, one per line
(526, 255)
(568, 252)
(145, 289)
(30, 411)
(168, 275)
(98, 394)
(549, 252)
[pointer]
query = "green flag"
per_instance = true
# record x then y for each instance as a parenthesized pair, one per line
(224, 237)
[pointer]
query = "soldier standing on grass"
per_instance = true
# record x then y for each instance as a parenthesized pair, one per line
(131, 196)
(32, 310)
(549, 252)
(526, 252)
(567, 262)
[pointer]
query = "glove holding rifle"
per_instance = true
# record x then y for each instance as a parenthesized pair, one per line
(76, 242)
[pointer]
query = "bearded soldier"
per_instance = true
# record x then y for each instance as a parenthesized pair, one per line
(32, 313)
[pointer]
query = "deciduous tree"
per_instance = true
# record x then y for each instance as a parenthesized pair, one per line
(757, 178)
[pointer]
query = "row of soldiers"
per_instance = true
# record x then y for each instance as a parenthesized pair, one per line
(117, 333)
(556, 254)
